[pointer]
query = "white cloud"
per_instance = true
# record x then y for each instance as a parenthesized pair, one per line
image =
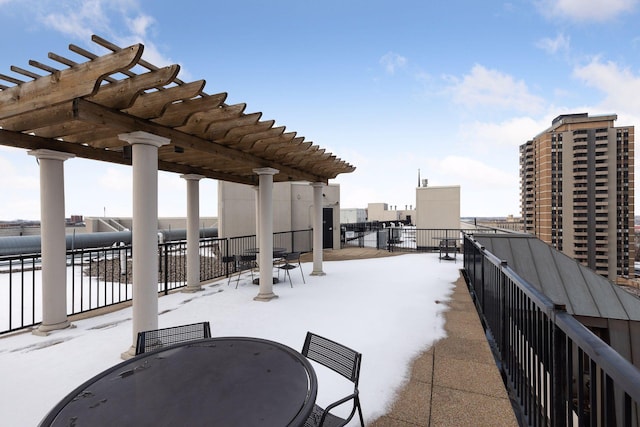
(486, 87)
(392, 61)
(485, 190)
(116, 180)
(20, 178)
(510, 133)
(615, 82)
(20, 194)
(560, 44)
(140, 24)
(475, 173)
(80, 20)
(24, 207)
(586, 10)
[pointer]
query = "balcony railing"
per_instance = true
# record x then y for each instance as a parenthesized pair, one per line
(560, 372)
(102, 277)
(407, 238)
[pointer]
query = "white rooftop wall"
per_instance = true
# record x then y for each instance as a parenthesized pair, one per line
(292, 202)
(438, 207)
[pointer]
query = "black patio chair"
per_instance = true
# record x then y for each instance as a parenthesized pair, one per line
(229, 263)
(345, 362)
(242, 263)
(289, 263)
(157, 338)
(247, 262)
(448, 247)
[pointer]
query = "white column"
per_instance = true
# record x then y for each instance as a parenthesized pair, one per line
(265, 221)
(193, 232)
(317, 229)
(54, 245)
(144, 153)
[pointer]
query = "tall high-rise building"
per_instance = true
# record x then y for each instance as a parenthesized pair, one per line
(577, 191)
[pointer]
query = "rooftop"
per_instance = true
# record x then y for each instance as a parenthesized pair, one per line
(414, 370)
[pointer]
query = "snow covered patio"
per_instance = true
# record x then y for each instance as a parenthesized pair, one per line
(391, 309)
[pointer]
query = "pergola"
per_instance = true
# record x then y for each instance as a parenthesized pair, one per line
(119, 108)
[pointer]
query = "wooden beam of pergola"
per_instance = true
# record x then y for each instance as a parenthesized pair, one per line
(82, 109)
(32, 142)
(89, 112)
(82, 80)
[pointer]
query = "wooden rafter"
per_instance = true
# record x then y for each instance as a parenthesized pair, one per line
(81, 105)
(98, 115)
(79, 81)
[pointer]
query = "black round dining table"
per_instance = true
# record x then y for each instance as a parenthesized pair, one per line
(227, 381)
(277, 251)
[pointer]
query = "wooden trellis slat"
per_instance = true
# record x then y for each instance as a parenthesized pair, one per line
(81, 80)
(83, 108)
(154, 104)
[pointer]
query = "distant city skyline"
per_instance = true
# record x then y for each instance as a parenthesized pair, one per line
(450, 89)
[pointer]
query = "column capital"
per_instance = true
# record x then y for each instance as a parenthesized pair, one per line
(265, 171)
(140, 137)
(317, 184)
(50, 154)
(191, 177)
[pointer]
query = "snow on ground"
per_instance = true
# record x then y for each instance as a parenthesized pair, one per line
(390, 309)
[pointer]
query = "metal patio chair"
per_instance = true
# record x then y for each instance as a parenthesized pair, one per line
(289, 263)
(242, 263)
(448, 247)
(157, 338)
(229, 263)
(345, 362)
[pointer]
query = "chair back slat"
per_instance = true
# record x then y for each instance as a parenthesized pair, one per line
(246, 262)
(333, 355)
(157, 338)
(292, 256)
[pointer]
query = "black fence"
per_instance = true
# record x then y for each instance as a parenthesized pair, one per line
(559, 372)
(102, 277)
(405, 238)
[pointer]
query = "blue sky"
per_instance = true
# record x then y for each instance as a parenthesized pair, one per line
(392, 87)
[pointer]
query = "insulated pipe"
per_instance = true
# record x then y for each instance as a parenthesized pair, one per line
(17, 245)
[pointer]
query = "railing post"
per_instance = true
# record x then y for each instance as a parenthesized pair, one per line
(226, 254)
(73, 281)
(482, 282)
(166, 270)
(474, 257)
(558, 365)
(503, 315)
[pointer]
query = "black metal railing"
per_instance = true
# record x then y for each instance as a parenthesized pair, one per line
(560, 373)
(97, 277)
(20, 278)
(407, 238)
(102, 277)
